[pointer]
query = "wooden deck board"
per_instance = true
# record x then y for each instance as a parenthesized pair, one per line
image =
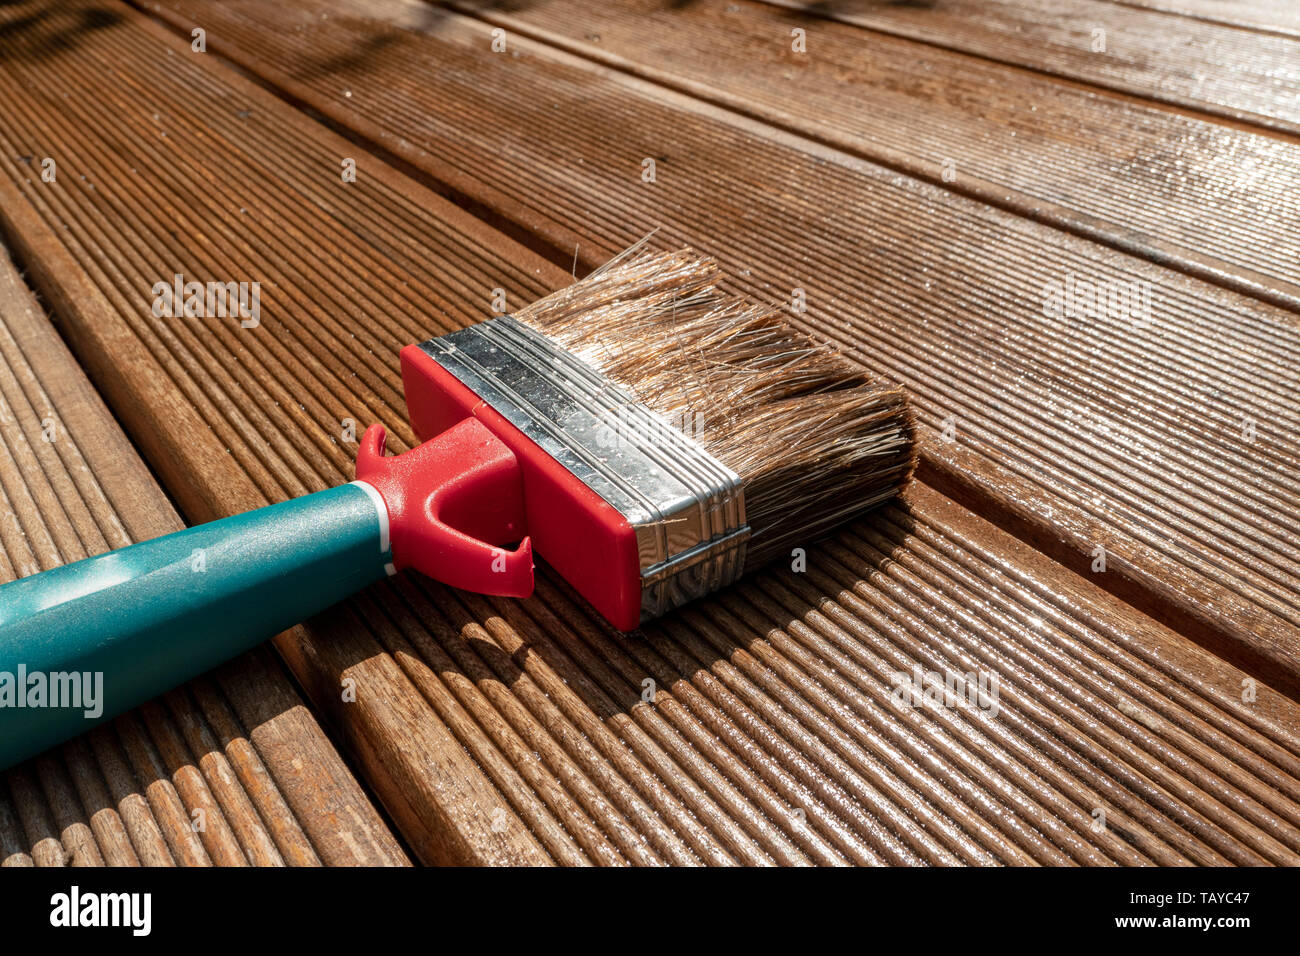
(1183, 61)
(518, 731)
(1079, 433)
(1219, 202)
(1268, 16)
(238, 744)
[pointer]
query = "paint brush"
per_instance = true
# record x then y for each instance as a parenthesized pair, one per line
(650, 435)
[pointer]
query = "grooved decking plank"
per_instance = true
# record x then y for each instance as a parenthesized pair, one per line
(1218, 201)
(1208, 67)
(1171, 446)
(1268, 16)
(246, 751)
(769, 731)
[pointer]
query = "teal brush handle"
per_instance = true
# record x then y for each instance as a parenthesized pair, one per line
(112, 631)
(152, 615)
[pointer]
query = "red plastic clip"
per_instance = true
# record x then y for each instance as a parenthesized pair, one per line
(452, 502)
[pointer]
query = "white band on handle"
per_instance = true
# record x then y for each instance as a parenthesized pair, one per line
(381, 509)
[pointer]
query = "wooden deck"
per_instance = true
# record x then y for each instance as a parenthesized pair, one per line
(926, 174)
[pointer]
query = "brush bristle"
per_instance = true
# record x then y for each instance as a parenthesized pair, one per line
(814, 438)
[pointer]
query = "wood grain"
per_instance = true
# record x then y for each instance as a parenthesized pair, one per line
(1201, 65)
(1171, 445)
(527, 731)
(1217, 201)
(1267, 16)
(238, 746)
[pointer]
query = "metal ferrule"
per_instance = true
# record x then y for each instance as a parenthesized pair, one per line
(686, 507)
